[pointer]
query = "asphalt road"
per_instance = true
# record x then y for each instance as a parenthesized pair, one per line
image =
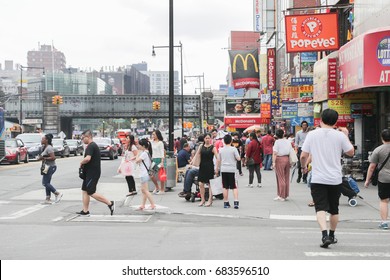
(261, 229)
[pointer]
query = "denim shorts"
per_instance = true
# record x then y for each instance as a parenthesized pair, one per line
(144, 179)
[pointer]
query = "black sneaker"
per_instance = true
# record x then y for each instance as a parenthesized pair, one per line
(82, 213)
(226, 204)
(326, 241)
(298, 180)
(112, 207)
(236, 203)
(304, 181)
(333, 239)
(182, 194)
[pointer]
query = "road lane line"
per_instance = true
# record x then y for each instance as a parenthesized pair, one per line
(24, 212)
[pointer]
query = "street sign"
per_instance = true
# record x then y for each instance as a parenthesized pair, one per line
(119, 120)
(32, 121)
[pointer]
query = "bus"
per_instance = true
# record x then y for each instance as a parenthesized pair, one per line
(2, 135)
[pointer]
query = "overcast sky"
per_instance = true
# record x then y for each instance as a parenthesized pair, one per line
(96, 33)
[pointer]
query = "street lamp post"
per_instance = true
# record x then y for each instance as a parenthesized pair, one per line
(21, 90)
(103, 128)
(181, 79)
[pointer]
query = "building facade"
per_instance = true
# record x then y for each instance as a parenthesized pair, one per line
(46, 56)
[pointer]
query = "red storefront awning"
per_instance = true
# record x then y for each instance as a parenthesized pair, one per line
(244, 122)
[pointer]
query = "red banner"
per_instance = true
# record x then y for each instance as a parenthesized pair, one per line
(242, 122)
(271, 66)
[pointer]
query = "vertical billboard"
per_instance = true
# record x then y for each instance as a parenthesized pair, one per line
(312, 32)
(245, 68)
(271, 68)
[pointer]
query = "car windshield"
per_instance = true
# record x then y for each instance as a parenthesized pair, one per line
(72, 142)
(10, 144)
(103, 141)
(58, 142)
(30, 138)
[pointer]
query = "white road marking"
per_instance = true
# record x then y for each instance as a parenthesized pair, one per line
(349, 254)
(57, 219)
(292, 217)
(24, 212)
(4, 202)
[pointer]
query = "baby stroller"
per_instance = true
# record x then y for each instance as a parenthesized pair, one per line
(196, 195)
(350, 189)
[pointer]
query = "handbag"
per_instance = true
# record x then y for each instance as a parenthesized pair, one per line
(126, 168)
(153, 168)
(82, 174)
(216, 185)
(292, 157)
(196, 160)
(162, 174)
(375, 174)
(44, 168)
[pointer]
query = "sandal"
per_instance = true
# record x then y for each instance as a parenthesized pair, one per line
(141, 208)
(311, 204)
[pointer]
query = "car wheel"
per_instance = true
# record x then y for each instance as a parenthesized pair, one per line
(17, 160)
(26, 159)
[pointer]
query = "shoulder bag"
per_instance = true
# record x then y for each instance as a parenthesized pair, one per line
(375, 174)
(292, 156)
(153, 168)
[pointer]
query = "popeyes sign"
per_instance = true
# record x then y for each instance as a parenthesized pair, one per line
(310, 33)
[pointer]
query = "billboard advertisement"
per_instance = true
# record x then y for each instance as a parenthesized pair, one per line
(114, 81)
(312, 32)
(245, 68)
(243, 107)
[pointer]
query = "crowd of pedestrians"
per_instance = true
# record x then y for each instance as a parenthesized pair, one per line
(222, 154)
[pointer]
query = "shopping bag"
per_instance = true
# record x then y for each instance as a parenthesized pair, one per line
(126, 168)
(293, 157)
(216, 185)
(162, 174)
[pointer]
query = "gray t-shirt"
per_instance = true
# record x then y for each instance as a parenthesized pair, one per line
(228, 156)
(46, 152)
(379, 156)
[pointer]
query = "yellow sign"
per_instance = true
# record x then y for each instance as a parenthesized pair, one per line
(244, 62)
(342, 106)
(204, 123)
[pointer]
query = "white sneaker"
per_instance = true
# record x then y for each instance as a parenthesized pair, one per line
(58, 198)
(250, 185)
(259, 185)
(277, 198)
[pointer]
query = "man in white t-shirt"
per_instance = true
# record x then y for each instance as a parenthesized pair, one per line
(326, 146)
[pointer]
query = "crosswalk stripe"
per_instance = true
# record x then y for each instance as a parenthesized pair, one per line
(24, 212)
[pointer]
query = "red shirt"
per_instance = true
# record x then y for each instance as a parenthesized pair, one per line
(268, 143)
(254, 151)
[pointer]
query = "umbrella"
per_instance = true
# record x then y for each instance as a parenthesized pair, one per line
(252, 128)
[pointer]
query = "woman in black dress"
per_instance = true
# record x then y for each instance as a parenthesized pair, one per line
(206, 168)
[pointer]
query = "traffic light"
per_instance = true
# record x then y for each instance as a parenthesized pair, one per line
(54, 99)
(154, 106)
(158, 105)
(59, 99)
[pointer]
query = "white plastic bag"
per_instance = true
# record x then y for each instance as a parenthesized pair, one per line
(216, 185)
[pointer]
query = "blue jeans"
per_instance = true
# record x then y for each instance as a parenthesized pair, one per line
(267, 162)
(189, 178)
(46, 179)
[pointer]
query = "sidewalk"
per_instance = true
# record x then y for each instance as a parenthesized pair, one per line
(258, 202)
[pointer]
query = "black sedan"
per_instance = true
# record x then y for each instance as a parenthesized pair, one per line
(61, 148)
(75, 147)
(107, 147)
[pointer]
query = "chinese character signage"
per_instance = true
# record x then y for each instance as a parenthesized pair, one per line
(275, 99)
(301, 81)
(312, 32)
(289, 110)
(332, 78)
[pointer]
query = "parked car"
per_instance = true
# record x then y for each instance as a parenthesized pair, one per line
(75, 147)
(60, 148)
(119, 145)
(107, 147)
(32, 141)
(15, 151)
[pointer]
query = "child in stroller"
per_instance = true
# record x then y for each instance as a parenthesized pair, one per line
(350, 189)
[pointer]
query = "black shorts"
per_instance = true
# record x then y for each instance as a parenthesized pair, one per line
(228, 180)
(326, 197)
(89, 185)
(383, 190)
